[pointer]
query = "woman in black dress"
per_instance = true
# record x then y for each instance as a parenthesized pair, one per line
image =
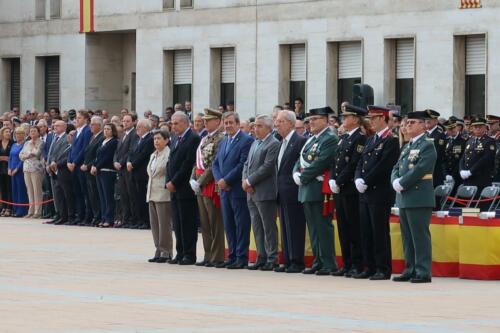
(5, 187)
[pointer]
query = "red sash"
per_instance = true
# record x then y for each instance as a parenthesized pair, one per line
(327, 195)
(208, 190)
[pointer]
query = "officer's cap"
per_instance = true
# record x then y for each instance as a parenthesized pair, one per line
(432, 114)
(456, 120)
(492, 119)
(374, 110)
(211, 114)
(324, 111)
(450, 123)
(478, 121)
(353, 110)
(420, 115)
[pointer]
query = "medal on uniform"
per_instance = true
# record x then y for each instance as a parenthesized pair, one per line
(410, 166)
(468, 146)
(492, 147)
(309, 157)
(359, 149)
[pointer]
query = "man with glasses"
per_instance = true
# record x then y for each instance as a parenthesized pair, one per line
(412, 180)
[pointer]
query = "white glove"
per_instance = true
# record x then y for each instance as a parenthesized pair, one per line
(296, 178)
(333, 186)
(195, 186)
(449, 178)
(360, 185)
(397, 186)
(465, 174)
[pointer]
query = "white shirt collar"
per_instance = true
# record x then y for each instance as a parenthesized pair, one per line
(288, 137)
(379, 134)
(232, 137)
(432, 129)
(351, 132)
(319, 134)
(416, 138)
(142, 137)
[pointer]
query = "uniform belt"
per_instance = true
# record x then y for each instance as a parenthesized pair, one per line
(107, 170)
(427, 176)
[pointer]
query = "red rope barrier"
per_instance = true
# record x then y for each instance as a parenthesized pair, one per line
(26, 204)
(479, 200)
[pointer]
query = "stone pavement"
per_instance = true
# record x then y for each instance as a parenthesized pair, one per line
(62, 279)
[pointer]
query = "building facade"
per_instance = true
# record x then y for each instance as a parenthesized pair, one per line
(149, 54)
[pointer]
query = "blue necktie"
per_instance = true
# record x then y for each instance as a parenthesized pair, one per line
(228, 145)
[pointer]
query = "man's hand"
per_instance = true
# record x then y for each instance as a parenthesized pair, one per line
(222, 184)
(170, 187)
(117, 166)
(333, 186)
(93, 171)
(465, 174)
(360, 185)
(397, 186)
(195, 186)
(71, 166)
(296, 178)
(83, 167)
(129, 167)
(53, 167)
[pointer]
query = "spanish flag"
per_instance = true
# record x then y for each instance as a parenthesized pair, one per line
(86, 15)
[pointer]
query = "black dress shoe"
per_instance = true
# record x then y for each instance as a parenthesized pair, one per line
(421, 279)
(223, 264)
(162, 260)
(174, 261)
(402, 278)
(210, 264)
(143, 227)
(352, 272)
(60, 222)
(187, 261)
(380, 276)
(280, 269)
(237, 265)
(323, 272)
(256, 266)
(339, 272)
(201, 263)
(293, 268)
(311, 270)
(363, 275)
(154, 259)
(268, 266)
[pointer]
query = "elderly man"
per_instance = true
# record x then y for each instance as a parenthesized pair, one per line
(292, 219)
(259, 181)
(227, 169)
(412, 180)
(179, 168)
(203, 184)
(137, 163)
(316, 158)
(46, 137)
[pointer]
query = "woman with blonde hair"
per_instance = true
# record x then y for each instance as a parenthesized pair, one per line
(32, 157)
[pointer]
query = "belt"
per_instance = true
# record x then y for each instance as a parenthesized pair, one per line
(107, 170)
(427, 176)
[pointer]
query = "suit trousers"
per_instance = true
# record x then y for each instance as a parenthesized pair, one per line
(417, 246)
(126, 190)
(106, 189)
(64, 195)
(33, 181)
(347, 208)
(237, 227)
(293, 232)
(80, 191)
(93, 195)
(376, 238)
(265, 231)
(48, 209)
(212, 229)
(186, 231)
(160, 219)
(321, 235)
(140, 187)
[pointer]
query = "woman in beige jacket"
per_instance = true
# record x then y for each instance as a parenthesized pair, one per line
(158, 198)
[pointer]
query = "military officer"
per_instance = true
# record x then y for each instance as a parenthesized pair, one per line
(494, 123)
(315, 160)
(341, 183)
(455, 147)
(412, 180)
(478, 160)
(372, 179)
(436, 133)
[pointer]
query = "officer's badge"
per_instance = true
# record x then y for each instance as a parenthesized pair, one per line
(492, 147)
(441, 142)
(412, 157)
(360, 148)
(457, 149)
(480, 146)
(468, 146)
(309, 157)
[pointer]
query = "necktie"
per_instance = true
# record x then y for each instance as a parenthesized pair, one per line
(282, 151)
(228, 145)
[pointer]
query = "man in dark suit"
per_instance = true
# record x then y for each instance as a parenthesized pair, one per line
(292, 219)
(48, 209)
(96, 125)
(455, 147)
(120, 159)
(184, 208)
(341, 183)
(137, 164)
(376, 196)
(436, 133)
(227, 169)
(75, 160)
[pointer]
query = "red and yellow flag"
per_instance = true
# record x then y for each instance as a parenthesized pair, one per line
(86, 15)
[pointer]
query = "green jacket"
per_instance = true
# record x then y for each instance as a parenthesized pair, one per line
(415, 168)
(319, 153)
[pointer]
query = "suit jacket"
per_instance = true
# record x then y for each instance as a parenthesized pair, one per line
(260, 169)
(76, 153)
(288, 191)
(139, 156)
(479, 158)
(157, 171)
(348, 154)
(180, 164)
(89, 153)
(229, 165)
(122, 151)
(59, 152)
(319, 153)
(104, 154)
(48, 143)
(454, 150)
(375, 167)
(439, 144)
(414, 168)
(209, 146)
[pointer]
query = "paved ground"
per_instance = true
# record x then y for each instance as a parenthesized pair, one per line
(61, 279)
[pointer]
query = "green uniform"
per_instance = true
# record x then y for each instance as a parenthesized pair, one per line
(414, 171)
(317, 156)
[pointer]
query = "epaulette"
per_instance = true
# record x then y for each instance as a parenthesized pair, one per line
(430, 139)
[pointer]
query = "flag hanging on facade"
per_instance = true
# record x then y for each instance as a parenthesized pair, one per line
(86, 15)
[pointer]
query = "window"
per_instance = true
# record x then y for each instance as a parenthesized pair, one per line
(12, 68)
(475, 75)
(55, 9)
(297, 72)
(168, 4)
(52, 97)
(133, 92)
(405, 73)
(40, 9)
(349, 70)
(228, 75)
(186, 3)
(183, 76)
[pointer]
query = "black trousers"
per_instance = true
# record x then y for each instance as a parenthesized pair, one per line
(293, 232)
(93, 195)
(185, 229)
(141, 207)
(5, 190)
(347, 210)
(126, 190)
(376, 236)
(63, 192)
